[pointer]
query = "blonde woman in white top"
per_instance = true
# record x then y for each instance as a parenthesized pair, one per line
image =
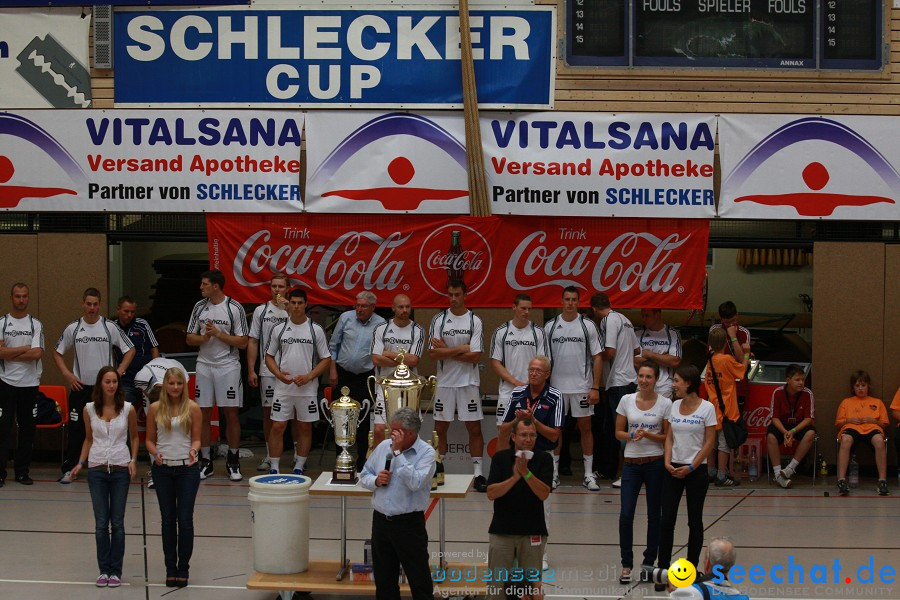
(174, 423)
(110, 426)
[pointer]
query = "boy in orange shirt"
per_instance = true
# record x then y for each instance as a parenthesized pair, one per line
(861, 417)
(729, 371)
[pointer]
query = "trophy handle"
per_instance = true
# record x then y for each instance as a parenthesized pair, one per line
(432, 387)
(371, 382)
(326, 411)
(364, 407)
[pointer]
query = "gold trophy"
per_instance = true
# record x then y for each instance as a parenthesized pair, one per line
(345, 416)
(403, 389)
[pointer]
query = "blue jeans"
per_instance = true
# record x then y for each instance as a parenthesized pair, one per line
(650, 475)
(176, 490)
(109, 492)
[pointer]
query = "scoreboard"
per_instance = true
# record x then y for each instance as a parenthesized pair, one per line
(775, 34)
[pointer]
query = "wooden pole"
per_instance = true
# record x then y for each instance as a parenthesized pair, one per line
(478, 198)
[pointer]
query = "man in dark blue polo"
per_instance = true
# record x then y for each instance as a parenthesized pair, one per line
(146, 348)
(543, 404)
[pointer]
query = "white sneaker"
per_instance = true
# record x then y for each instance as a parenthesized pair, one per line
(264, 465)
(555, 481)
(591, 483)
(234, 472)
(788, 473)
(545, 565)
(617, 483)
(783, 480)
(66, 478)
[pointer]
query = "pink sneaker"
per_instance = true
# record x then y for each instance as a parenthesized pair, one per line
(103, 580)
(114, 581)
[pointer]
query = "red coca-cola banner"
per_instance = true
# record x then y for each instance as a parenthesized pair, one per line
(637, 262)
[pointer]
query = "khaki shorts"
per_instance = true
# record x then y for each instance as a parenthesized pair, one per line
(503, 550)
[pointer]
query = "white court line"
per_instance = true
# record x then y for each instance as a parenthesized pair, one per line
(124, 584)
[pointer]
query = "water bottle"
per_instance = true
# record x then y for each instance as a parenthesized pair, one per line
(753, 468)
(854, 471)
(823, 466)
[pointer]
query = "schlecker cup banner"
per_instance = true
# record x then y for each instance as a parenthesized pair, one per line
(150, 161)
(44, 58)
(364, 56)
(637, 262)
(802, 167)
(542, 164)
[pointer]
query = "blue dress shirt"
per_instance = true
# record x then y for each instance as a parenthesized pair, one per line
(411, 472)
(351, 342)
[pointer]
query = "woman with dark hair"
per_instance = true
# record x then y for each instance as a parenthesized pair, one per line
(641, 423)
(110, 426)
(689, 442)
(173, 441)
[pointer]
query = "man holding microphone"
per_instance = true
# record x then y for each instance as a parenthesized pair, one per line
(399, 473)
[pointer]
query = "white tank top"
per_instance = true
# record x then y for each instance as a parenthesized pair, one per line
(174, 444)
(110, 445)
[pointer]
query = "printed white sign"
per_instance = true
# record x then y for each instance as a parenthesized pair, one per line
(150, 161)
(44, 58)
(801, 167)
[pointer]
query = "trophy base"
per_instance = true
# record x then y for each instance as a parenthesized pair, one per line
(344, 478)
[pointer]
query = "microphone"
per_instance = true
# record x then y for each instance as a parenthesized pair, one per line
(387, 461)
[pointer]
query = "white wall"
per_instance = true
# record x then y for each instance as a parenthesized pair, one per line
(769, 290)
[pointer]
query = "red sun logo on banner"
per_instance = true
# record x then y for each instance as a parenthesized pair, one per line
(440, 260)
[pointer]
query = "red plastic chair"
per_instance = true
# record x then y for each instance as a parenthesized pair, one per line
(58, 393)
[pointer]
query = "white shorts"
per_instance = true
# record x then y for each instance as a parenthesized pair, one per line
(502, 407)
(267, 390)
(577, 405)
(464, 400)
(721, 444)
(302, 408)
(220, 386)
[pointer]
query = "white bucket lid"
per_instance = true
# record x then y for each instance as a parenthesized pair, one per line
(285, 483)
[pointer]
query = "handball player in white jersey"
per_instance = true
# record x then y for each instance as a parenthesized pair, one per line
(457, 341)
(389, 338)
(93, 337)
(575, 349)
(297, 355)
(267, 317)
(218, 326)
(513, 345)
(661, 344)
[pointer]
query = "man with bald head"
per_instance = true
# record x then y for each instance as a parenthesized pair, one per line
(400, 333)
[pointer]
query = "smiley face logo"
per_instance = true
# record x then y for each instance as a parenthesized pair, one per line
(682, 573)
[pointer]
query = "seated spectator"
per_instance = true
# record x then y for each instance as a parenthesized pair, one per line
(720, 557)
(519, 483)
(793, 413)
(861, 418)
(723, 367)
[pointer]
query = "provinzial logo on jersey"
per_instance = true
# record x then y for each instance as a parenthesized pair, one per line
(218, 321)
(14, 333)
(289, 341)
(275, 320)
(563, 339)
(392, 340)
(646, 343)
(514, 343)
(88, 339)
(455, 332)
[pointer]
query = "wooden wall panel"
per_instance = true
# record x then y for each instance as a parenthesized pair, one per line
(891, 357)
(24, 267)
(849, 325)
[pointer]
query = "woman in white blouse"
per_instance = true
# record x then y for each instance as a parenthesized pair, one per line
(110, 426)
(173, 441)
(641, 423)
